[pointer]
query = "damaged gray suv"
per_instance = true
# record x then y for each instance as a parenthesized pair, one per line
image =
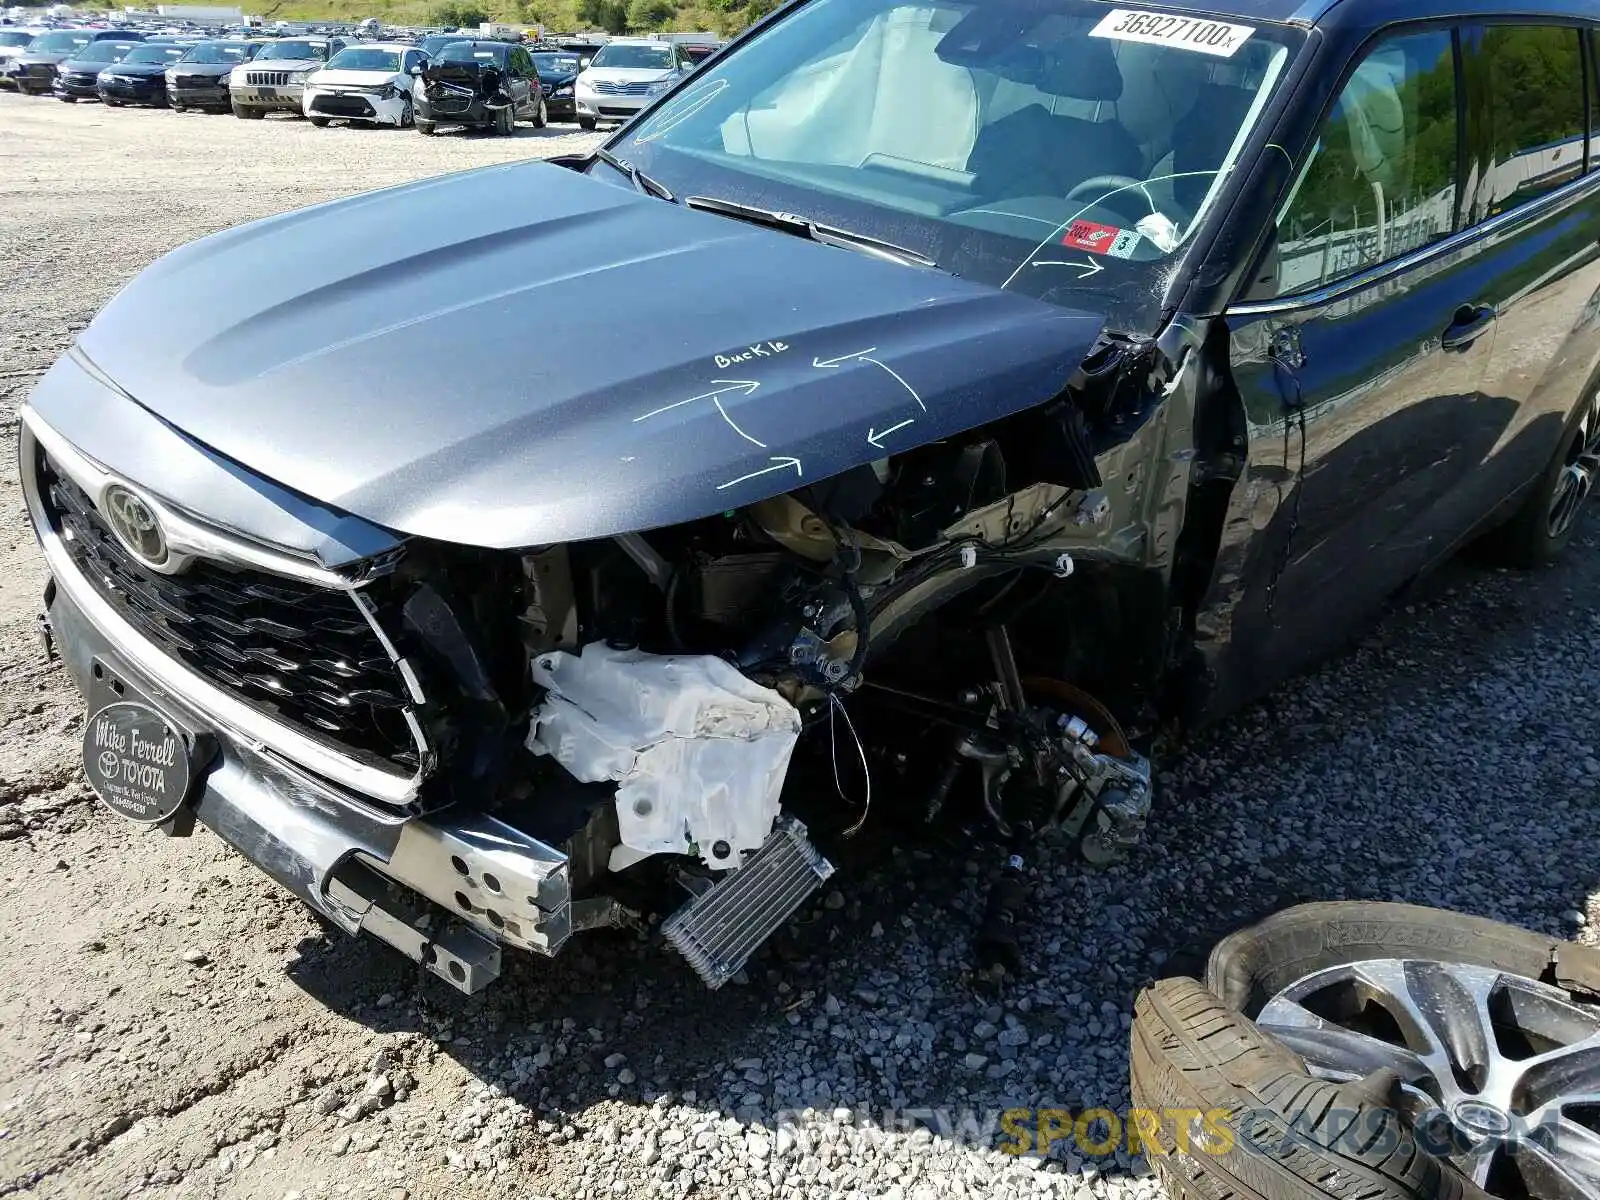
(882, 462)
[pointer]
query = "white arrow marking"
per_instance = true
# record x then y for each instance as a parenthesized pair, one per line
(733, 426)
(834, 362)
(1090, 267)
(865, 356)
(779, 463)
(747, 386)
(875, 436)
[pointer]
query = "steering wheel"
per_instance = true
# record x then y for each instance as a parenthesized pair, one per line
(1099, 185)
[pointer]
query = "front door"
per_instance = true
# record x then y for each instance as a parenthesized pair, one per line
(1362, 377)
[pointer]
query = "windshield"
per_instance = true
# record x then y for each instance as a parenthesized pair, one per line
(1051, 142)
(650, 58)
(362, 58)
(434, 43)
(467, 52)
(556, 64)
(59, 42)
(14, 37)
(154, 54)
(293, 50)
(217, 52)
(105, 51)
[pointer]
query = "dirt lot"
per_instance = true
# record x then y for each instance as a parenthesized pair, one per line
(172, 1023)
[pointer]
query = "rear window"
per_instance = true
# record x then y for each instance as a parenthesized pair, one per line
(1533, 76)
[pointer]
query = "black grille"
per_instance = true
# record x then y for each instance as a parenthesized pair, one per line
(199, 81)
(336, 105)
(295, 651)
(267, 78)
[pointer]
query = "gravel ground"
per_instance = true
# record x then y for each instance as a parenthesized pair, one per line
(174, 1024)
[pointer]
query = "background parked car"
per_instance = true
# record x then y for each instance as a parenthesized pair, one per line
(370, 83)
(34, 70)
(277, 76)
(140, 78)
(77, 76)
(558, 72)
(200, 78)
(12, 43)
(480, 83)
(624, 76)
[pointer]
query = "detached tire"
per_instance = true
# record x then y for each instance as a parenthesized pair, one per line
(1251, 966)
(1270, 1131)
(320, 122)
(586, 124)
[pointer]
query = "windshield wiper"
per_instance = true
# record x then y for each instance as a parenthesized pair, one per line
(828, 235)
(641, 182)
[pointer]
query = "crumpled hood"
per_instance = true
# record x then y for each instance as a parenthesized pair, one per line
(523, 354)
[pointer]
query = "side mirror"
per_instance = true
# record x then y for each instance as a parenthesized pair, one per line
(416, 69)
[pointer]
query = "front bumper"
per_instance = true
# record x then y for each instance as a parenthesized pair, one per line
(198, 96)
(77, 89)
(349, 104)
(34, 82)
(289, 97)
(339, 854)
(561, 108)
(142, 91)
(610, 108)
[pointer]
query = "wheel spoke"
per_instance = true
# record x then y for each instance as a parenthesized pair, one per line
(1455, 1012)
(1559, 1074)
(1551, 1174)
(1337, 1052)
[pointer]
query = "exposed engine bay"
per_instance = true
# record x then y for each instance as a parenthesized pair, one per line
(892, 644)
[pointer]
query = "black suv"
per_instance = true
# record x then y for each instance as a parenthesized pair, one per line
(491, 84)
(884, 461)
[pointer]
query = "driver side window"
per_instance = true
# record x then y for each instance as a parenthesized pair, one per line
(1381, 179)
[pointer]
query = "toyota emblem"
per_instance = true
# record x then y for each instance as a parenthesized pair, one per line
(135, 524)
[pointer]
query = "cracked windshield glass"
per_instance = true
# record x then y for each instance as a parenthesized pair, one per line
(1048, 146)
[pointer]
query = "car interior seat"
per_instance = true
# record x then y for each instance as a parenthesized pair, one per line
(1036, 152)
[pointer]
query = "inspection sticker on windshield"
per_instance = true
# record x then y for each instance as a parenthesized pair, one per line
(1217, 38)
(1101, 239)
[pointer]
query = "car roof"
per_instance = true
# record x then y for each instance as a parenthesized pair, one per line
(1382, 12)
(397, 47)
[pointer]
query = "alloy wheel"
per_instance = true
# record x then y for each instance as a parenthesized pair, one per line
(1578, 473)
(1499, 1074)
